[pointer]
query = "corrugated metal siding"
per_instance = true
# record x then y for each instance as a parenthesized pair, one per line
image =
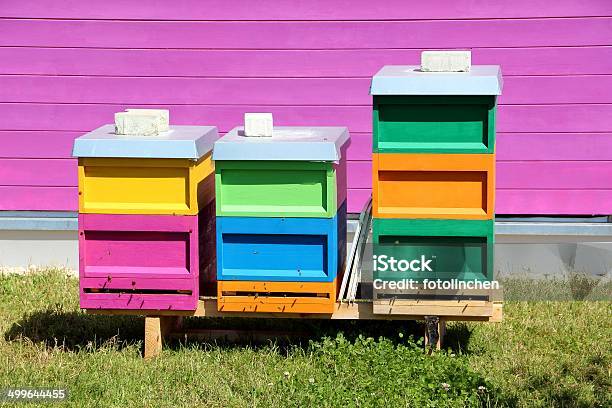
(66, 67)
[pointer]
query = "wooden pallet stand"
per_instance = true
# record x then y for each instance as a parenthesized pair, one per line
(160, 325)
(449, 302)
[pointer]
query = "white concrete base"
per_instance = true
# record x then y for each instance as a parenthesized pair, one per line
(21, 251)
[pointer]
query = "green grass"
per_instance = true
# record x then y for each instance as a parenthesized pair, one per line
(543, 354)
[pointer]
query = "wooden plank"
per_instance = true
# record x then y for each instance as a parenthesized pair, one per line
(549, 146)
(433, 308)
(313, 10)
(287, 63)
(79, 117)
(555, 118)
(510, 146)
(38, 172)
(57, 144)
(272, 91)
(544, 175)
(555, 89)
(157, 330)
(342, 311)
(578, 202)
(498, 312)
(21, 198)
(153, 337)
(289, 35)
(39, 144)
(568, 118)
(440, 329)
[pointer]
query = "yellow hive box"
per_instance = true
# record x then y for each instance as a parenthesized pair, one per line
(167, 174)
(276, 297)
(145, 186)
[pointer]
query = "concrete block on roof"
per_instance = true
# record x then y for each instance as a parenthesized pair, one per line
(446, 61)
(136, 124)
(162, 114)
(258, 124)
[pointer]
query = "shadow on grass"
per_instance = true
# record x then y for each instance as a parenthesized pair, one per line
(77, 330)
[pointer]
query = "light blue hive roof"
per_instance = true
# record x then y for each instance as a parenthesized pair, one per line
(181, 142)
(410, 80)
(286, 143)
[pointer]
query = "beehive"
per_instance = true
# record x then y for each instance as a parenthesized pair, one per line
(434, 170)
(146, 218)
(281, 219)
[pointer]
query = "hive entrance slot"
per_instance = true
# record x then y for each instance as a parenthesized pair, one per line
(433, 296)
(276, 294)
(139, 291)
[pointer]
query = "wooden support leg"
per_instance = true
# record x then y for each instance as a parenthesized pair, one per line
(435, 329)
(156, 329)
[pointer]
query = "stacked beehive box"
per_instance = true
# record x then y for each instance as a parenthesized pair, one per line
(281, 219)
(434, 169)
(146, 218)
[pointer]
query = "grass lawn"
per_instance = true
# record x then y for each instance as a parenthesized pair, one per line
(543, 354)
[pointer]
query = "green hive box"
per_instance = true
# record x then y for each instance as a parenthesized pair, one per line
(434, 124)
(284, 189)
(416, 112)
(458, 249)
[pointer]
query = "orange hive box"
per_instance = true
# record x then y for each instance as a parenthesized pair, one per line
(276, 297)
(449, 186)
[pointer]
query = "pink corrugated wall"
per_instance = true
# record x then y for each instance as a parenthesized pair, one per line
(66, 67)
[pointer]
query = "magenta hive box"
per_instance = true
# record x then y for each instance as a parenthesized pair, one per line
(143, 262)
